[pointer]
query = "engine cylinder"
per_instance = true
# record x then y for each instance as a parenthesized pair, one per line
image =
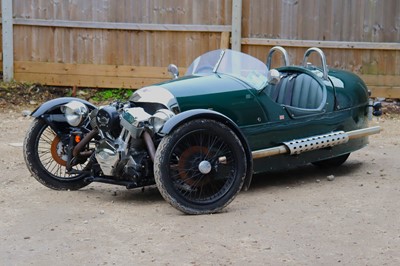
(107, 119)
(107, 156)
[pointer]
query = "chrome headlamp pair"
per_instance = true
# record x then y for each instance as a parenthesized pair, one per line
(76, 112)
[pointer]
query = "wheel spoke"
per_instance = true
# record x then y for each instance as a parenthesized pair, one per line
(46, 157)
(200, 166)
(191, 150)
(44, 146)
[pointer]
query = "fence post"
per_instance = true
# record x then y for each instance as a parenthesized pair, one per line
(7, 34)
(236, 25)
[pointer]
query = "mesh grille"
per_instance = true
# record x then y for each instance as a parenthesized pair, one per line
(298, 146)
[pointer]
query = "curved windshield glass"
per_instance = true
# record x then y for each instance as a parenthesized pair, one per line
(233, 63)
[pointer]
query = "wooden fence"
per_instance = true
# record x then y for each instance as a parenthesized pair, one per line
(129, 43)
(361, 36)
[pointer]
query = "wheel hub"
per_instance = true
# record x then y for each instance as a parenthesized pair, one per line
(205, 167)
(191, 162)
(57, 151)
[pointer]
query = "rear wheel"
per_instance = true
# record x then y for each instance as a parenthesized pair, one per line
(332, 162)
(46, 158)
(200, 167)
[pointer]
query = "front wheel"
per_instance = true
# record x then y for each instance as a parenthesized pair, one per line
(200, 167)
(46, 158)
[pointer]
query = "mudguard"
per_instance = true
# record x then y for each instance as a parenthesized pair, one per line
(183, 117)
(51, 105)
(50, 112)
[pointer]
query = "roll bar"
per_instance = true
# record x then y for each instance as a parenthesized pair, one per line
(284, 55)
(323, 60)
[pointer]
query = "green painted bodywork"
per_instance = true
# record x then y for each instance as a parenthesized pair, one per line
(266, 123)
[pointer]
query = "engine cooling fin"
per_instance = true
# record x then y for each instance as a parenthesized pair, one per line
(298, 146)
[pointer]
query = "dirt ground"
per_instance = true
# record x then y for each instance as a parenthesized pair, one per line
(296, 217)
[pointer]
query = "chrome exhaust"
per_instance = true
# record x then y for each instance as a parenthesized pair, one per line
(298, 146)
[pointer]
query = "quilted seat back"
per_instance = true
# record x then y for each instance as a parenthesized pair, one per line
(297, 90)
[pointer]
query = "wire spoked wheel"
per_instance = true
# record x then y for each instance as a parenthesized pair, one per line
(200, 167)
(46, 157)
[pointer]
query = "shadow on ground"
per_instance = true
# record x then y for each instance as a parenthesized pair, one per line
(301, 175)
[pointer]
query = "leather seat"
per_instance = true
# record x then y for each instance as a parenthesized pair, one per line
(297, 90)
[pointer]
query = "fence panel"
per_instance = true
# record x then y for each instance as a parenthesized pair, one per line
(120, 47)
(99, 35)
(362, 36)
(371, 27)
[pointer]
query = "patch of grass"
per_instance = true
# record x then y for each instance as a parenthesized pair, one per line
(103, 95)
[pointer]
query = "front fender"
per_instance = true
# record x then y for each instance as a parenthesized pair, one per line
(51, 105)
(183, 117)
(179, 119)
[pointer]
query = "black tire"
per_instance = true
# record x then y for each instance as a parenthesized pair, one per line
(44, 155)
(205, 144)
(332, 162)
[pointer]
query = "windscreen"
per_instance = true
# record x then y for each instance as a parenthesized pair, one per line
(237, 64)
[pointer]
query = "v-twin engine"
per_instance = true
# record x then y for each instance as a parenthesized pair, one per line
(122, 156)
(120, 161)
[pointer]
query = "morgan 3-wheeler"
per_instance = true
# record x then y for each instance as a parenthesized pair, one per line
(201, 137)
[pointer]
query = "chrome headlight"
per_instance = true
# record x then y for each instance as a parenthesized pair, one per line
(159, 118)
(75, 112)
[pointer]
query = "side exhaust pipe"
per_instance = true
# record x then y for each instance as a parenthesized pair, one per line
(298, 146)
(316, 142)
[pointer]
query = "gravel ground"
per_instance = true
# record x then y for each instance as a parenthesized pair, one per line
(295, 217)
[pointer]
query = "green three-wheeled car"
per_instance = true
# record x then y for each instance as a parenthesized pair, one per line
(201, 137)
